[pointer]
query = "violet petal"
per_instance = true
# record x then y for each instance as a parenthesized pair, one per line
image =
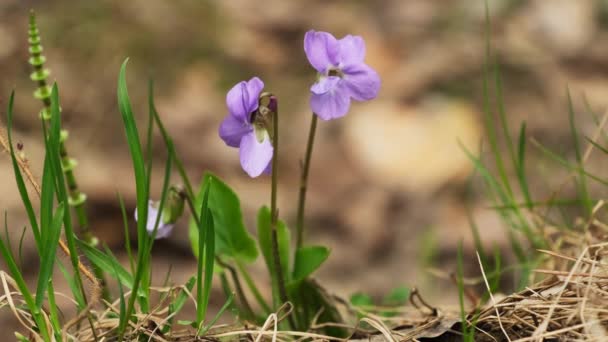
(232, 129)
(243, 98)
(324, 85)
(321, 50)
(255, 156)
(333, 104)
(163, 230)
(362, 81)
(352, 50)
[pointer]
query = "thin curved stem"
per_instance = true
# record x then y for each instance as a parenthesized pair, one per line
(304, 182)
(254, 289)
(274, 215)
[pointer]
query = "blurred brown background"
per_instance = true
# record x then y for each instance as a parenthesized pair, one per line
(388, 187)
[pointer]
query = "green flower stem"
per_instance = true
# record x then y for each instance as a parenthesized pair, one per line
(76, 197)
(274, 215)
(304, 182)
(238, 287)
(254, 289)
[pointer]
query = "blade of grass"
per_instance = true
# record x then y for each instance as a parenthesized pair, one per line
(47, 259)
(548, 203)
(171, 149)
(489, 117)
(141, 185)
(582, 180)
(107, 263)
(567, 164)
(178, 303)
(122, 306)
(125, 222)
(205, 220)
(23, 290)
(76, 294)
(460, 283)
(20, 248)
(52, 145)
(19, 177)
(520, 166)
(596, 145)
(224, 307)
(505, 199)
(144, 301)
(46, 201)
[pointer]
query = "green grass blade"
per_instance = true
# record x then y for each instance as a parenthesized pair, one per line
(582, 180)
(47, 260)
(20, 250)
(489, 119)
(460, 283)
(492, 183)
(25, 198)
(125, 222)
(107, 263)
(567, 164)
(502, 113)
(124, 105)
(17, 276)
(178, 303)
(122, 303)
(76, 294)
(209, 264)
(205, 220)
(141, 184)
(170, 146)
(227, 304)
(494, 280)
(52, 148)
(520, 166)
(596, 145)
(149, 131)
(46, 202)
(145, 262)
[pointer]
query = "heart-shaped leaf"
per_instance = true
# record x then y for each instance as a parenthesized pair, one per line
(308, 259)
(232, 240)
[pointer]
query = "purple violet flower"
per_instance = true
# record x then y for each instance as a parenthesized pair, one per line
(342, 73)
(244, 128)
(164, 229)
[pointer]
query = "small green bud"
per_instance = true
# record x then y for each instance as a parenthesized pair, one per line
(20, 337)
(174, 207)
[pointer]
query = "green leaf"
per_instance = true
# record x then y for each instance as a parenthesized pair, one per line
(361, 299)
(316, 305)
(107, 263)
(141, 186)
(265, 241)
(52, 146)
(73, 285)
(308, 259)
(398, 296)
(582, 180)
(25, 198)
(178, 303)
(124, 105)
(122, 302)
(232, 240)
(206, 242)
(203, 329)
(47, 259)
(46, 201)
